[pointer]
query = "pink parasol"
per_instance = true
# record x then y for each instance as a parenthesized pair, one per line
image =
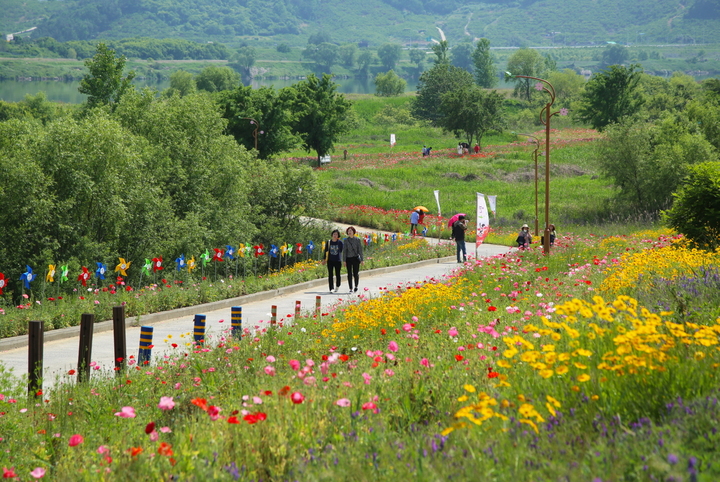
(455, 218)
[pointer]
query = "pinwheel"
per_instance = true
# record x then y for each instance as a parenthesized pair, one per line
(157, 264)
(205, 258)
(27, 276)
(241, 250)
(284, 249)
(310, 247)
(387, 237)
(323, 247)
(64, 273)
(180, 262)
(273, 251)
(147, 267)
(248, 250)
(50, 277)
(367, 239)
(100, 271)
(394, 237)
(84, 276)
(298, 248)
(229, 252)
(374, 238)
(218, 256)
(258, 250)
(424, 231)
(123, 266)
(191, 264)
(2, 283)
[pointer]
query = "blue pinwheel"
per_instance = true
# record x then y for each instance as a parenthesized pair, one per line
(424, 231)
(310, 247)
(273, 251)
(229, 252)
(100, 271)
(27, 276)
(394, 237)
(180, 262)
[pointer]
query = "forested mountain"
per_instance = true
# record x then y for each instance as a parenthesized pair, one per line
(504, 22)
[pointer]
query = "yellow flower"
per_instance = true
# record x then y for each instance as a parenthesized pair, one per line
(699, 355)
(545, 373)
(583, 378)
(562, 369)
(469, 388)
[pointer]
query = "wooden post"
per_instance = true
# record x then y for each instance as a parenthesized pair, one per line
(87, 323)
(318, 308)
(236, 318)
(35, 357)
(298, 304)
(199, 332)
(119, 338)
(146, 345)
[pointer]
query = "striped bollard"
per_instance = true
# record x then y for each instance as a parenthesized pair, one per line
(318, 299)
(273, 315)
(297, 309)
(236, 317)
(199, 331)
(145, 351)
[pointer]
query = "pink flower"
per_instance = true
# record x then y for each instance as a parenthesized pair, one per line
(270, 371)
(393, 346)
(453, 331)
(389, 372)
(214, 412)
(415, 319)
(367, 378)
(126, 412)
(270, 359)
(154, 436)
(297, 397)
(295, 365)
(38, 473)
(165, 429)
(407, 327)
(103, 449)
(76, 439)
(166, 403)
(370, 406)
(343, 402)
(425, 362)
(9, 473)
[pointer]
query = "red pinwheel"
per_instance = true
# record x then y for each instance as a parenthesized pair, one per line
(2, 283)
(218, 256)
(387, 237)
(157, 264)
(258, 250)
(298, 249)
(84, 276)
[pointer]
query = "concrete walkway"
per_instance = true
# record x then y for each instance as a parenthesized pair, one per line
(61, 346)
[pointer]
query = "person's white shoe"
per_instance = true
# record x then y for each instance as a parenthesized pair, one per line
(337, 289)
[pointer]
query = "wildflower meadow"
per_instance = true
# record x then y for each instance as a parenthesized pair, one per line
(596, 363)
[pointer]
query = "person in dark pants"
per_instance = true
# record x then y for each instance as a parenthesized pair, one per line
(333, 259)
(352, 255)
(458, 234)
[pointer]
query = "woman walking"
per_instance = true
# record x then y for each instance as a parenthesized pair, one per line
(333, 259)
(352, 255)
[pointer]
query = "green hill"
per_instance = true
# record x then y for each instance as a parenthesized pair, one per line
(504, 22)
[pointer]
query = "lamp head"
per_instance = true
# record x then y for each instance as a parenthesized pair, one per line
(508, 76)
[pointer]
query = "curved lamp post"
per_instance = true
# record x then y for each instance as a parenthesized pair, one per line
(545, 115)
(255, 131)
(535, 159)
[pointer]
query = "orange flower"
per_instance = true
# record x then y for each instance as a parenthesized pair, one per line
(165, 449)
(135, 451)
(200, 402)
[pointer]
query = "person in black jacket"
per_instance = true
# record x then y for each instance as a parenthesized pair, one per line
(458, 234)
(352, 255)
(333, 259)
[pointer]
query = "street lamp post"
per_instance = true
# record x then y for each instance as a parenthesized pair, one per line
(255, 131)
(545, 115)
(535, 159)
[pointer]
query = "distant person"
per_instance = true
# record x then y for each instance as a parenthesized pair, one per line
(424, 151)
(414, 218)
(458, 234)
(524, 239)
(477, 148)
(459, 149)
(421, 216)
(352, 255)
(428, 150)
(553, 235)
(465, 147)
(333, 259)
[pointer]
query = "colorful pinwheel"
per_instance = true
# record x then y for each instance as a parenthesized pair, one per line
(205, 258)
(310, 247)
(147, 267)
(248, 250)
(50, 277)
(374, 238)
(394, 237)
(101, 270)
(191, 264)
(258, 250)
(241, 250)
(284, 249)
(123, 266)
(298, 248)
(2, 283)
(84, 276)
(387, 237)
(273, 251)
(180, 262)
(157, 264)
(229, 252)
(64, 270)
(218, 256)
(27, 276)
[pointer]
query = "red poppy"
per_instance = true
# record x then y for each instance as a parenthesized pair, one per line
(135, 451)
(150, 428)
(459, 357)
(200, 402)
(233, 420)
(165, 449)
(284, 391)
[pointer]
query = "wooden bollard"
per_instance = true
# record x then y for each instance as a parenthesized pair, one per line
(199, 331)
(146, 345)
(119, 338)
(35, 357)
(273, 315)
(298, 304)
(236, 318)
(318, 299)
(87, 323)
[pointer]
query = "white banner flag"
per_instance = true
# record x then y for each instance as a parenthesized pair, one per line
(483, 221)
(492, 200)
(437, 200)
(392, 140)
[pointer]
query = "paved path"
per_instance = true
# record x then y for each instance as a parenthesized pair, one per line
(61, 346)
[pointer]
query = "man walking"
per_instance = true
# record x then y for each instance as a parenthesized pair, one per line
(458, 234)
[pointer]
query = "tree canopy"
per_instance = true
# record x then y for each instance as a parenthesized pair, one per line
(433, 84)
(610, 96)
(105, 84)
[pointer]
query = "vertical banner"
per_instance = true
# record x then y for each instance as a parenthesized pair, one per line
(437, 200)
(483, 221)
(392, 140)
(492, 200)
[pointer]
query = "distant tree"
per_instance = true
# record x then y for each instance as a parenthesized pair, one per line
(324, 54)
(432, 85)
(528, 62)
(346, 53)
(319, 38)
(462, 56)
(485, 71)
(243, 60)
(610, 95)
(215, 79)
(389, 55)
(183, 82)
(365, 59)
(695, 211)
(440, 49)
(320, 114)
(283, 48)
(417, 57)
(105, 84)
(389, 84)
(614, 55)
(567, 83)
(470, 111)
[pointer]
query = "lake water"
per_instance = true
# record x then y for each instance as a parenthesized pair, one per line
(67, 92)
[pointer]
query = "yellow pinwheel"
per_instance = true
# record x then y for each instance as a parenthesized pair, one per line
(123, 266)
(241, 250)
(50, 277)
(284, 249)
(191, 264)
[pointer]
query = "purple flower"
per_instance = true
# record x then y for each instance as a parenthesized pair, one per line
(539, 86)
(672, 459)
(564, 111)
